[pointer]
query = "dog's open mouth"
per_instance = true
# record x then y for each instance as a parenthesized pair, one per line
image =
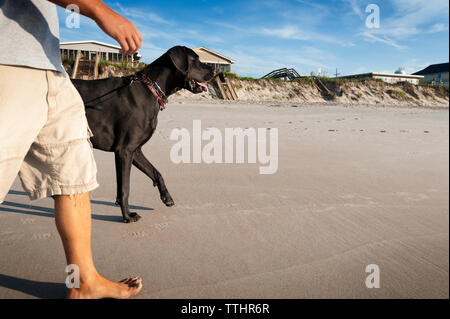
(197, 87)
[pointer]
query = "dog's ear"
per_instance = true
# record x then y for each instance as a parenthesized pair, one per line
(179, 57)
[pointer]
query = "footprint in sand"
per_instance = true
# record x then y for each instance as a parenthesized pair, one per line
(10, 235)
(137, 234)
(43, 236)
(161, 226)
(27, 221)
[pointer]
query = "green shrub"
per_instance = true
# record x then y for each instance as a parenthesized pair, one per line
(246, 78)
(303, 80)
(394, 92)
(122, 65)
(295, 89)
(67, 61)
(235, 76)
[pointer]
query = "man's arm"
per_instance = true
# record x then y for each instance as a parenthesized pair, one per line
(112, 23)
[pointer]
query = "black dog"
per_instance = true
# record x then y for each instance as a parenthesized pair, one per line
(123, 114)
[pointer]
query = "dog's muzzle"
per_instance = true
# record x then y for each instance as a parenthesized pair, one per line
(197, 87)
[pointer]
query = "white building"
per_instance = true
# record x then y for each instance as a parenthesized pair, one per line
(398, 76)
(90, 49)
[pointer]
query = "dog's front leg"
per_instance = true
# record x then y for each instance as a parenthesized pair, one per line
(124, 160)
(143, 164)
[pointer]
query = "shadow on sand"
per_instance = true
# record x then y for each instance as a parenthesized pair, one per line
(12, 207)
(43, 290)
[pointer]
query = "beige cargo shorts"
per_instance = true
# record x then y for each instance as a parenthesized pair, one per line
(44, 135)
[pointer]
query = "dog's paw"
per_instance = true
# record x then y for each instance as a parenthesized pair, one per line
(167, 200)
(131, 218)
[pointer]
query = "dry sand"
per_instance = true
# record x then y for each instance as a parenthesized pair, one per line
(355, 186)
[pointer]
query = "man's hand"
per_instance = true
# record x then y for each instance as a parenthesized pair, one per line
(112, 23)
(121, 29)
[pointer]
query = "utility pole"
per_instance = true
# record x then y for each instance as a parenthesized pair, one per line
(337, 74)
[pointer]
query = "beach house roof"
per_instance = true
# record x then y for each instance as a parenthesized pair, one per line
(434, 68)
(210, 56)
(90, 44)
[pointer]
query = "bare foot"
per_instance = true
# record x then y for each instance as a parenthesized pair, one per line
(100, 287)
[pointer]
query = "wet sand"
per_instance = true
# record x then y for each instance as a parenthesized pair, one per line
(355, 186)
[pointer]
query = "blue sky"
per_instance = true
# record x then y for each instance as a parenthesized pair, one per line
(262, 35)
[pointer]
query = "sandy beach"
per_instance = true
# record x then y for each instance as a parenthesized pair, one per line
(355, 186)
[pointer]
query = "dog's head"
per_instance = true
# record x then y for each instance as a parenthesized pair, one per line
(192, 73)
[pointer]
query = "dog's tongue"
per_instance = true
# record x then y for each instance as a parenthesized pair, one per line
(204, 88)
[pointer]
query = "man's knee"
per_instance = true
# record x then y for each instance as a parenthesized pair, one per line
(72, 198)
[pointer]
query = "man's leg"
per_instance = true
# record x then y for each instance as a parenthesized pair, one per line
(73, 220)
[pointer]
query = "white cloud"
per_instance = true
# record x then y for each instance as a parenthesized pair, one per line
(258, 62)
(414, 65)
(410, 18)
(438, 27)
(288, 32)
(355, 6)
(138, 13)
(413, 16)
(370, 37)
(312, 4)
(292, 32)
(251, 65)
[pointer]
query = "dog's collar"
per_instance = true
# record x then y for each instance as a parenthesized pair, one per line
(152, 86)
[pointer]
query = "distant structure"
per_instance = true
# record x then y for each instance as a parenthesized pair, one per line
(87, 56)
(399, 76)
(400, 71)
(91, 49)
(220, 64)
(284, 74)
(217, 61)
(435, 74)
